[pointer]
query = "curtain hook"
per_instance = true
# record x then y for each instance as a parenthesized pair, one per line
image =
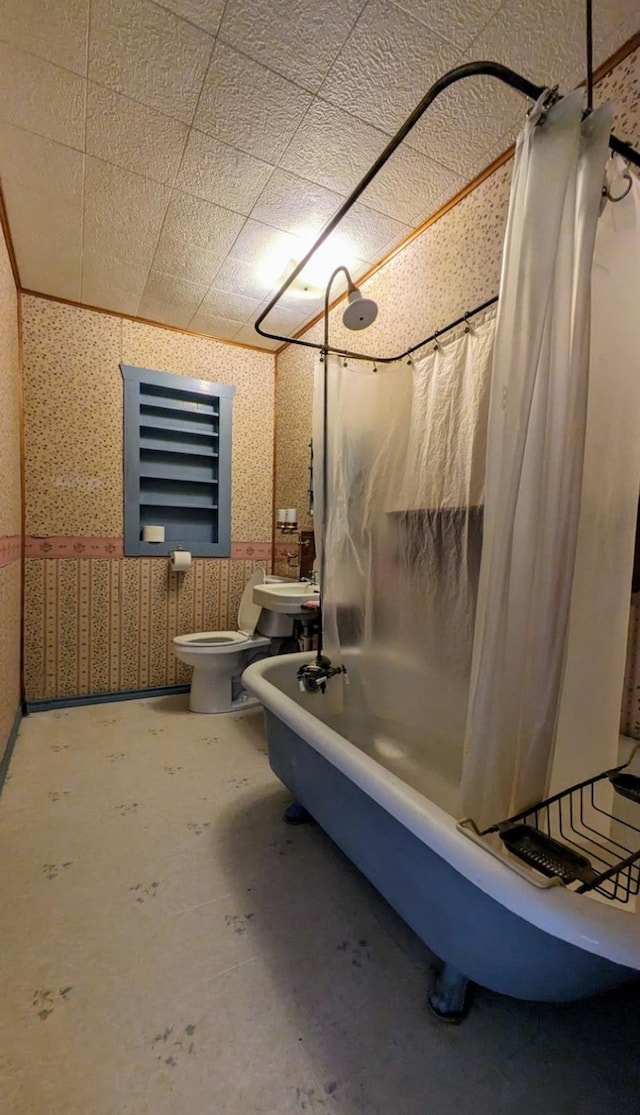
(436, 346)
(374, 367)
(624, 177)
(467, 323)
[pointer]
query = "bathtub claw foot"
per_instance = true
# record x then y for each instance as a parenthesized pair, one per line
(296, 814)
(447, 998)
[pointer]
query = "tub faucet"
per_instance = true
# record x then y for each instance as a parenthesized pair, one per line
(313, 677)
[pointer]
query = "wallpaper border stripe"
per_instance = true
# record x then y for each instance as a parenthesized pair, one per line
(10, 549)
(81, 546)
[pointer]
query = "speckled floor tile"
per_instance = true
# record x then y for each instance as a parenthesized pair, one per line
(170, 947)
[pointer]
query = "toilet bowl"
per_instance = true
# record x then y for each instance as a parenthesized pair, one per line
(219, 657)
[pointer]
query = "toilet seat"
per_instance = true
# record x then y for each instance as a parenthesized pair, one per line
(212, 642)
(221, 642)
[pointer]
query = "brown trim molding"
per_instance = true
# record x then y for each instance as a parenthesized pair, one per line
(81, 546)
(10, 549)
(23, 494)
(144, 321)
(4, 224)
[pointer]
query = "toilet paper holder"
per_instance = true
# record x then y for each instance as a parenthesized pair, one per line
(180, 560)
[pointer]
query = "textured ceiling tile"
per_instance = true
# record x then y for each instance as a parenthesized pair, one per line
(546, 49)
(132, 135)
(366, 234)
(283, 320)
(41, 164)
(153, 309)
(247, 335)
(42, 98)
(459, 21)
(221, 303)
(221, 174)
(408, 183)
(624, 31)
(465, 122)
(173, 290)
(386, 67)
(266, 247)
(494, 152)
(437, 200)
(185, 260)
(248, 106)
(204, 13)
(108, 271)
(56, 32)
(105, 294)
(148, 54)
(621, 16)
(299, 40)
(332, 148)
(198, 222)
(224, 328)
(123, 212)
(295, 205)
(47, 237)
(238, 277)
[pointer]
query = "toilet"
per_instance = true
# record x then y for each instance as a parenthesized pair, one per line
(219, 657)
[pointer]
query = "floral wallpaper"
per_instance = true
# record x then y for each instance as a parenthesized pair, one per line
(10, 500)
(95, 621)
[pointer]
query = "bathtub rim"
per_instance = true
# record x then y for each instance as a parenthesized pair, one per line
(607, 931)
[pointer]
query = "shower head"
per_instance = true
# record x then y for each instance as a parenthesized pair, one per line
(360, 311)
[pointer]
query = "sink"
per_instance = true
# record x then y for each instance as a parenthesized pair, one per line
(285, 596)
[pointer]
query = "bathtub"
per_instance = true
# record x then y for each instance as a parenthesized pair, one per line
(486, 922)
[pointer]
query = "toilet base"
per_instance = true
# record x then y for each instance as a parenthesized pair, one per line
(214, 691)
(239, 705)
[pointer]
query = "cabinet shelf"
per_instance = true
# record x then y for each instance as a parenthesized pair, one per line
(186, 501)
(153, 445)
(177, 462)
(180, 476)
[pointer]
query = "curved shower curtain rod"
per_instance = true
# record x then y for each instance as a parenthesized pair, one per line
(469, 69)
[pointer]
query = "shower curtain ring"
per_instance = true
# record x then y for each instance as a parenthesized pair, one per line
(627, 179)
(467, 323)
(436, 346)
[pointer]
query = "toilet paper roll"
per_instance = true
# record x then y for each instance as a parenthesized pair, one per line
(180, 561)
(153, 534)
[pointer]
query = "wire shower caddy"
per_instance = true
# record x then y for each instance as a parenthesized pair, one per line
(575, 837)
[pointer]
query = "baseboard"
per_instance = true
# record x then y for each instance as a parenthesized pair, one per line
(8, 751)
(44, 704)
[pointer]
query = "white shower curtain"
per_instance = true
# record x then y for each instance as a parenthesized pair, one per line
(534, 462)
(587, 739)
(406, 453)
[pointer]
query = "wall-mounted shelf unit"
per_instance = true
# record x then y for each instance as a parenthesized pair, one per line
(177, 463)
